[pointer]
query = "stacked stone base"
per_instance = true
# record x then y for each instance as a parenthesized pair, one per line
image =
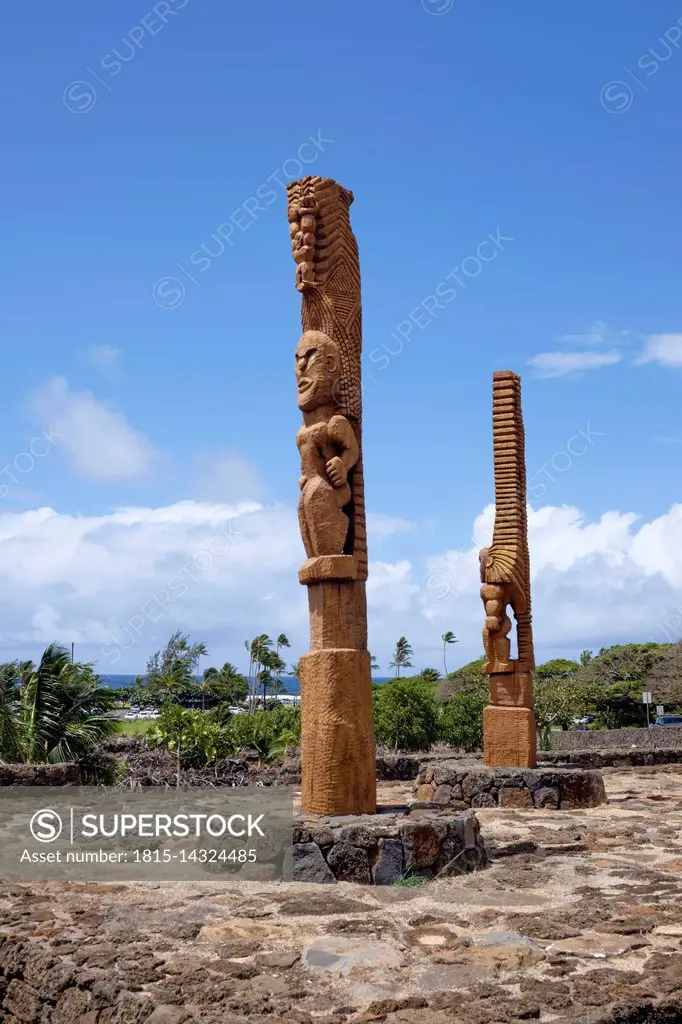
(387, 847)
(40, 775)
(450, 785)
(613, 758)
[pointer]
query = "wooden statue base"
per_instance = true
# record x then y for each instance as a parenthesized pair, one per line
(509, 737)
(337, 733)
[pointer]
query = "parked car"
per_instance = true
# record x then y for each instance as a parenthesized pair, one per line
(667, 720)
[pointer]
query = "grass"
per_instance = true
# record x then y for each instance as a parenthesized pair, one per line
(135, 727)
(413, 881)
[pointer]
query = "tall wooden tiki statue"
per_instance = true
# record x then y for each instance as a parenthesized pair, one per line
(337, 741)
(509, 734)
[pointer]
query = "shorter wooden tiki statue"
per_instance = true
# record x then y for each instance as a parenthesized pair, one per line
(509, 733)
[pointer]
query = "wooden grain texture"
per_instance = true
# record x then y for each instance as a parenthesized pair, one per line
(337, 734)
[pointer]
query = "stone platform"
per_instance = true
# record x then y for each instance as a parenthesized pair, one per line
(40, 775)
(382, 848)
(455, 787)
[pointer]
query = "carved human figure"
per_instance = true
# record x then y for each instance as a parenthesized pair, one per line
(496, 597)
(327, 445)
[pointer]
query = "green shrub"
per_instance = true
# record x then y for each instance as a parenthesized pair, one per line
(199, 738)
(405, 716)
(271, 732)
(461, 720)
(195, 737)
(468, 677)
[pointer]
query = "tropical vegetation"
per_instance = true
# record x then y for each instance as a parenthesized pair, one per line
(198, 738)
(54, 712)
(58, 710)
(604, 690)
(401, 656)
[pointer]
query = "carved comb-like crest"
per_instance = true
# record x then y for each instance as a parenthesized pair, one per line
(328, 275)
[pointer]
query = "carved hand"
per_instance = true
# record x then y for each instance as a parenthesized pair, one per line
(302, 480)
(336, 471)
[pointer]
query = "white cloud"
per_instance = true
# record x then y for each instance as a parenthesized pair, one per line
(382, 526)
(105, 357)
(665, 349)
(225, 477)
(119, 584)
(561, 364)
(391, 586)
(100, 443)
(597, 333)
(589, 352)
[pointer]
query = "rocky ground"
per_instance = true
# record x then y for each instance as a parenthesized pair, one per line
(578, 917)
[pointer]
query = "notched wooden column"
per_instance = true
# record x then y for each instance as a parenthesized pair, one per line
(509, 732)
(337, 730)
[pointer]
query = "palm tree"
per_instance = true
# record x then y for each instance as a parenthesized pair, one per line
(60, 712)
(226, 684)
(585, 658)
(430, 675)
(447, 638)
(401, 656)
(281, 642)
(174, 678)
(374, 665)
(9, 697)
(295, 670)
(200, 650)
(258, 650)
(273, 666)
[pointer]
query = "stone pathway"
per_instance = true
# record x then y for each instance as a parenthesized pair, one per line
(579, 911)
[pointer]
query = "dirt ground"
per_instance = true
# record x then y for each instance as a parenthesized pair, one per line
(579, 912)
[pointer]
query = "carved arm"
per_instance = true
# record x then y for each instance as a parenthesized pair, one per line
(341, 432)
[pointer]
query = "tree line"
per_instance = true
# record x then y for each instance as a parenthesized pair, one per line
(412, 713)
(172, 675)
(59, 711)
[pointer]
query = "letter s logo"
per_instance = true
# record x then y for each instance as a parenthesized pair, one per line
(46, 826)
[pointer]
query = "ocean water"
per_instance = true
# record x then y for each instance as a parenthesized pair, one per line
(289, 682)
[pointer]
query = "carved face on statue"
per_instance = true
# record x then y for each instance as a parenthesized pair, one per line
(318, 371)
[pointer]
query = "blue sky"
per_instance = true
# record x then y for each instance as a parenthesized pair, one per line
(552, 126)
